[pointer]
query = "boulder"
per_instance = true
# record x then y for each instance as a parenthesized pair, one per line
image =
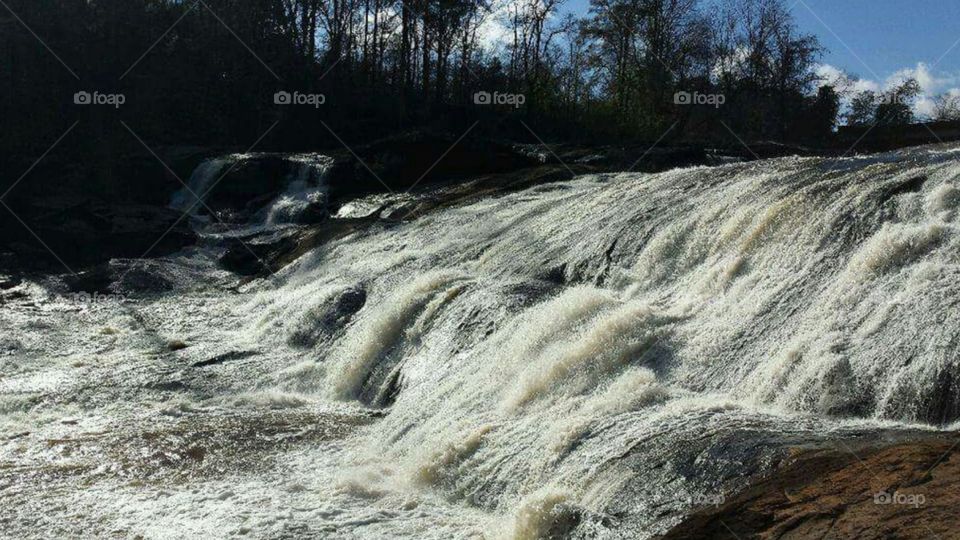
(248, 185)
(119, 276)
(885, 488)
(257, 256)
(86, 231)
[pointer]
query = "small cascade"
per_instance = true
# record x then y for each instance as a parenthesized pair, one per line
(190, 199)
(306, 194)
(300, 195)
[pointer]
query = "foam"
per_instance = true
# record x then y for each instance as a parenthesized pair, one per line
(440, 465)
(607, 345)
(383, 329)
(896, 245)
(545, 514)
(943, 201)
(269, 400)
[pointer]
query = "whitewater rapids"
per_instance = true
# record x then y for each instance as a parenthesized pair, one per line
(589, 358)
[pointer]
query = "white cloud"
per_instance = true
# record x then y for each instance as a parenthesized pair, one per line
(830, 75)
(862, 85)
(494, 33)
(931, 84)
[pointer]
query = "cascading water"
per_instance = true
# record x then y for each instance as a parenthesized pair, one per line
(588, 358)
(192, 196)
(304, 188)
(525, 346)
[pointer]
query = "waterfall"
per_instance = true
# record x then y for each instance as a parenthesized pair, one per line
(592, 358)
(523, 345)
(190, 198)
(304, 187)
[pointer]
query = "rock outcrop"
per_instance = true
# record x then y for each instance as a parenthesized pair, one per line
(878, 490)
(82, 232)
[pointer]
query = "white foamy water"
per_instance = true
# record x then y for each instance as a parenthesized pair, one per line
(584, 359)
(305, 187)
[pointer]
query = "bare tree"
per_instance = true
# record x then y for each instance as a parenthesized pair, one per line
(946, 107)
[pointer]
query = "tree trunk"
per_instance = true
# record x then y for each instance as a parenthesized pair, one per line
(426, 51)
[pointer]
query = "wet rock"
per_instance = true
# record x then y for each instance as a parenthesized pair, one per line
(118, 277)
(139, 279)
(885, 489)
(565, 519)
(328, 319)
(93, 280)
(397, 163)
(225, 357)
(176, 345)
(250, 257)
(86, 231)
(943, 405)
(262, 255)
(247, 186)
(911, 185)
(556, 275)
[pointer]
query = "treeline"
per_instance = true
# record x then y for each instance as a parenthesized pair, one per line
(205, 72)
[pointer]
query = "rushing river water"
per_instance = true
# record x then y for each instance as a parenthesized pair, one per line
(590, 358)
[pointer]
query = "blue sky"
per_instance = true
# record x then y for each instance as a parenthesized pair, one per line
(876, 38)
(887, 35)
(881, 41)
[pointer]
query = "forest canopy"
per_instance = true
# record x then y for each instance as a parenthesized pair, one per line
(210, 72)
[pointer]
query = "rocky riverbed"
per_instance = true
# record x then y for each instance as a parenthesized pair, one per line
(753, 350)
